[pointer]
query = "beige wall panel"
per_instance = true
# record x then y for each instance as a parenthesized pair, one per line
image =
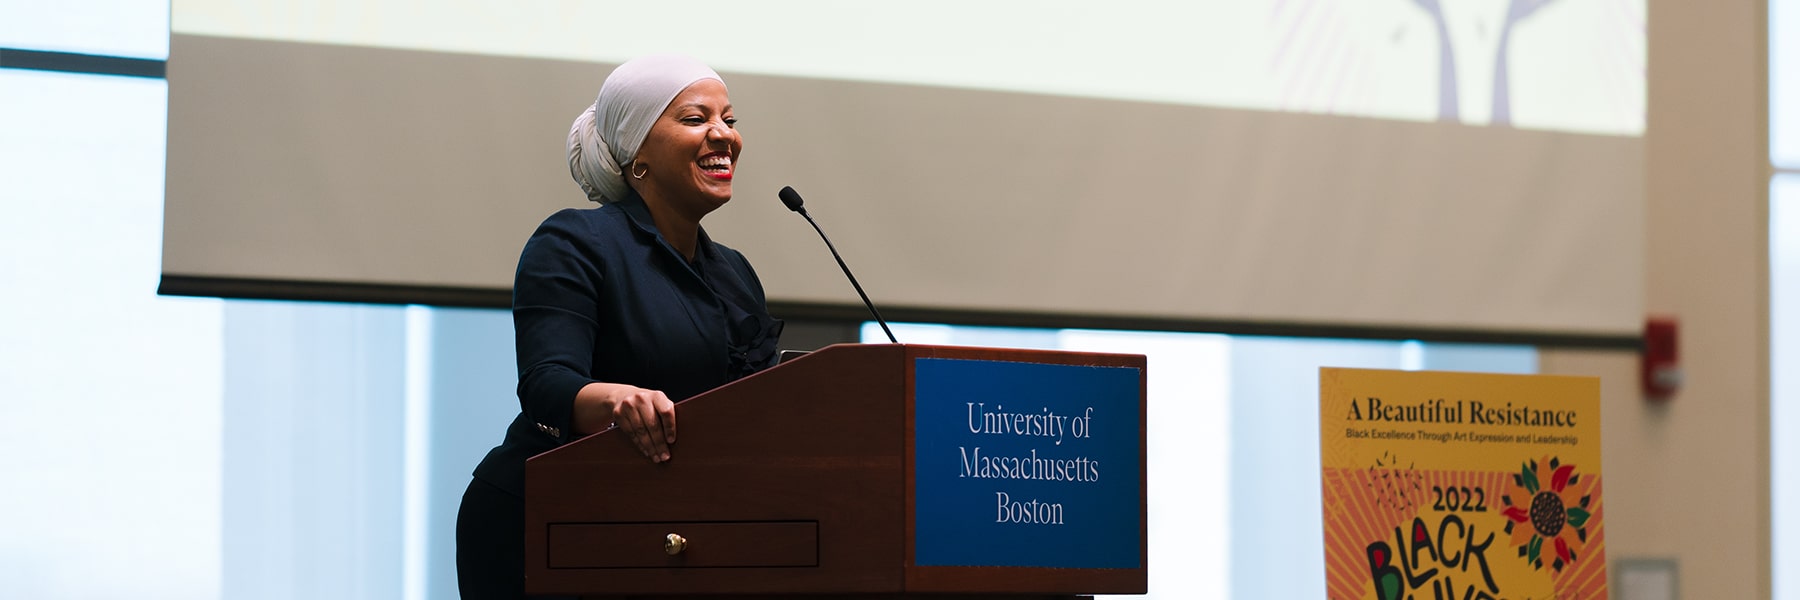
(1689, 479)
(293, 161)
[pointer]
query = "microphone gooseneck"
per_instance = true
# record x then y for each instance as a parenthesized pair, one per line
(792, 199)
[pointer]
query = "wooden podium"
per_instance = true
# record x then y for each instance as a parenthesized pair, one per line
(803, 480)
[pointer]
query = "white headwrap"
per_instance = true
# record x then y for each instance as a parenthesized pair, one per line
(608, 134)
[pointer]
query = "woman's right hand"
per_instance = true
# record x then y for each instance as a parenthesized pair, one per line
(647, 417)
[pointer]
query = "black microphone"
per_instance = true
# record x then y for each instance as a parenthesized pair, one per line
(792, 199)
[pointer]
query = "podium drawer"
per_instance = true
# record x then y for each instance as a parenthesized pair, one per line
(707, 544)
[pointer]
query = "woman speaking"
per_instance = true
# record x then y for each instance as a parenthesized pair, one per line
(619, 311)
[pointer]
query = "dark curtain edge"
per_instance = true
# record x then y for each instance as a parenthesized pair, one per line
(498, 298)
(90, 64)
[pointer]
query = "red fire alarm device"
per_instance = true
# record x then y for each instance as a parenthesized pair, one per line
(1662, 361)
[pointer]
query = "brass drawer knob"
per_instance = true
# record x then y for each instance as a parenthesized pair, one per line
(674, 544)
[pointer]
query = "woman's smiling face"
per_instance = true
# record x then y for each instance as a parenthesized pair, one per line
(691, 152)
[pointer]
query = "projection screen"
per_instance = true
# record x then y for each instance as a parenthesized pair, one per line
(1324, 164)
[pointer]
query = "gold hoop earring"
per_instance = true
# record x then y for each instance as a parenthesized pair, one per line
(634, 171)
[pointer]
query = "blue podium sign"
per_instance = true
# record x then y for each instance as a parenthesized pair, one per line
(1026, 465)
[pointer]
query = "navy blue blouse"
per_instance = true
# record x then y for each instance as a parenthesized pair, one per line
(601, 296)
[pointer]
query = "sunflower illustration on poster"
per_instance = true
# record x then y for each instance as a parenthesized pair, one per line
(1551, 511)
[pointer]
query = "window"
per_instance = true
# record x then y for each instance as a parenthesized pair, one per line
(1784, 297)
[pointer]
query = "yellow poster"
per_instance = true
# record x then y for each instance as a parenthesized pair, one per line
(1461, 486)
